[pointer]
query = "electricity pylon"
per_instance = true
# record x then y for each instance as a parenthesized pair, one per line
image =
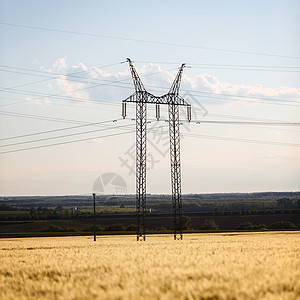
(141, 97)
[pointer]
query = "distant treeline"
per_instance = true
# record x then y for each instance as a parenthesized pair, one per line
(280, 206)
(208, 225)
(127, 200)
(219, 206)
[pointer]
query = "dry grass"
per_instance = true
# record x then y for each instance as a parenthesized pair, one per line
(202, 266)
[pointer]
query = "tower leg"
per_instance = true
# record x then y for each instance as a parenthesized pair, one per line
(175, 169)
(141, 141)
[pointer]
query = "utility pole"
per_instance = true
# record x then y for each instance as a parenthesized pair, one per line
(141, 97)
(94, 197)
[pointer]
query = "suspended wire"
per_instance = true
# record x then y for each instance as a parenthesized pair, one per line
(73, 75)
(243, 118)
(146, 41)
(187, 134)
(65, 135)
(48, 78)
(68, 142)
(9, 104)
(73, 141)
(244, 99)
(247, 123)
(55, 119)
(236, 122)
(37, 117)
(60, 95)
(252, 119)
(30, 116)
(241, 96)
(222, 138)
(124, 126)
(60, 129)
(293, 69)
(85, 124)
(113, 84)
(220, 96)
(217, 65)
(72, 121)
(249, 69)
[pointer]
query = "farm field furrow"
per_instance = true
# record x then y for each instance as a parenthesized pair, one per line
(263, 265)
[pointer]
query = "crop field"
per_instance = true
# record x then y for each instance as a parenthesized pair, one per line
(262, 265)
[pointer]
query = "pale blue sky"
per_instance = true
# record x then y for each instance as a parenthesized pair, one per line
(147, 33)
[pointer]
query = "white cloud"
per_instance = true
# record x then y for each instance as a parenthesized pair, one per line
(85, 83)
(47, 101)
(35, 101)
(96, 141)
(209, 83)
(60, 64)
(73, 89)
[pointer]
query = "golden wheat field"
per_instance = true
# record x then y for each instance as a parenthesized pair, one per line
(202, 266)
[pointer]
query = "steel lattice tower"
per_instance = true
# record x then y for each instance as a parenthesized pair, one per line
(141, 97)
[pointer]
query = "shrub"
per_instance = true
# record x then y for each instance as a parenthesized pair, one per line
(115, 227)
(162, 228)
(209, 225)
(283, 225)
(260, 226)
(245, 226)
(52, 228)
(131, 227)
(91, 228)
(70, 229)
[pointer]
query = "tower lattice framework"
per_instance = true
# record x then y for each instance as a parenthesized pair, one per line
(141, 97)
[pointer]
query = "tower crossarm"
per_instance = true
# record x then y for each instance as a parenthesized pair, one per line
(174, 90)
(138, 84)
(149, 98)
(172, 99)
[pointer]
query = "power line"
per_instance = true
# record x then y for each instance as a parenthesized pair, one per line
(237, 122)
(49, 78)
(37, 117)
(245, 98)
(65, 135)
(222, 138)
(90, 80)
(234, 67)
(216, 65)
(59, 95)
(60, 129)
(248, 69)
(71, 75)
(113, 83)
(218, 96)
(30, 116)
(248, 123)
(85, 124)
(146, 41)
(225, 116)
(69, 142)
(243, 118)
